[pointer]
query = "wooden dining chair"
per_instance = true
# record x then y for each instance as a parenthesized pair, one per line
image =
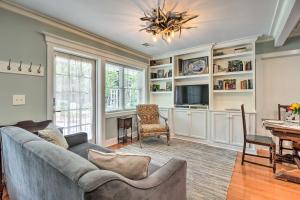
(258, 140)
(283, 108)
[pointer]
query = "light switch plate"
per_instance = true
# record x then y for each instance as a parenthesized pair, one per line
(18, 100)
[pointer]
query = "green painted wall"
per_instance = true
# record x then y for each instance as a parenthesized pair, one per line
(268, 47)
(21, 39)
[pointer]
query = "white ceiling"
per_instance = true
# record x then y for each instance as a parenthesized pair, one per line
(118, 20)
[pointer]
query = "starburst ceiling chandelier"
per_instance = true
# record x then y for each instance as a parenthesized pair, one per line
(163, 23)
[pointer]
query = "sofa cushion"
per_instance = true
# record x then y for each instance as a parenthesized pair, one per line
(83, 149)
(150, 128)
(131, 166)
(53, 135)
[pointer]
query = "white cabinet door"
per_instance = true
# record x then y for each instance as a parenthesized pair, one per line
(198, 120)
(181, 122)
(236, 128)
(220, 127)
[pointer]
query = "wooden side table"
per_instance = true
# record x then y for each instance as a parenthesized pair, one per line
(124, 123)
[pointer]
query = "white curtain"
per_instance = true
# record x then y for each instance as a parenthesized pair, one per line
(74, 93)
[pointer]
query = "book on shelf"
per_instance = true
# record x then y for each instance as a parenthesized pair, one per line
(246, 84)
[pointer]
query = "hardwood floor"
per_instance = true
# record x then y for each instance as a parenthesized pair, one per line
(255, 182)
(252, 182)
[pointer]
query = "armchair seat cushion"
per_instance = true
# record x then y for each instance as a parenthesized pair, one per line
(153, 128)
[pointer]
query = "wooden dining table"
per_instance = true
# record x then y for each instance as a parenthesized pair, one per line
(291, 131)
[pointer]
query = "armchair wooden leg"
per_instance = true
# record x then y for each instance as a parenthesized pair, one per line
(168, 139)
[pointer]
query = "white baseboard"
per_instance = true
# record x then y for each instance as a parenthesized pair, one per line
(251, 150)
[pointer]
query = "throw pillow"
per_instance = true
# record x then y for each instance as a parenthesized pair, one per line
(53, 135)
(131, 166)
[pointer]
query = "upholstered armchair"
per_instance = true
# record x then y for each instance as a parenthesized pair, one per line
(149, 124)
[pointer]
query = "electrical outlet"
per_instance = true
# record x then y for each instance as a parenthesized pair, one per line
(18, 100)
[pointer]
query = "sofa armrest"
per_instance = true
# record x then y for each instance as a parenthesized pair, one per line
(76, 138)
(168, 182)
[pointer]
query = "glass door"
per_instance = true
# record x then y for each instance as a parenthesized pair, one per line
(74, 94)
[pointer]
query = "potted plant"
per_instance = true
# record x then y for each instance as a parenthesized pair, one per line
(295, 108)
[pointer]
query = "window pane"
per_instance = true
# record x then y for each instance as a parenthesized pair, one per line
(133, 82)
(132, 98)
(113, 87)
(62, 65)
(123, 89)
(113, 99)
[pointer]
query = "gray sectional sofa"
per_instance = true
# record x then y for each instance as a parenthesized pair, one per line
(38, 170)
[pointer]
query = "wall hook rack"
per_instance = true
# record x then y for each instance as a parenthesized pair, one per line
(21, 68)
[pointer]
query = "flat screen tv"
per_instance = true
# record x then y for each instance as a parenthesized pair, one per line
(191, 95)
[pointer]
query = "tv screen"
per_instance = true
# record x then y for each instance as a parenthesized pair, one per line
(191, 95)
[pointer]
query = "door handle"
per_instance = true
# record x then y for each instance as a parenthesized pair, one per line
(57, 111)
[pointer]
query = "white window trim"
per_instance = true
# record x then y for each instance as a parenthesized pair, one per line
(57, 43)
(144, 89)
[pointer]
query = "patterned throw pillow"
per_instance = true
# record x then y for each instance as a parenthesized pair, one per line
(132, 166)
(53, 135)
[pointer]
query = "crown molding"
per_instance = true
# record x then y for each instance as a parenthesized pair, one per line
(279, 54)
(208, 47)
(64, 44)
(285, 18)
(16, 8)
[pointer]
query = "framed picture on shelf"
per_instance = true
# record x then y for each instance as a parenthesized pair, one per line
(169, 86)
(170, 73)
(155, 88)
(195, 66)
(160, 73)
(235, 65)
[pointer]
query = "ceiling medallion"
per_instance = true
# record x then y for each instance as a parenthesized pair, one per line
(160, 22)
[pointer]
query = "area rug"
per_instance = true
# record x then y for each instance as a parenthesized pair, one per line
(209, 169)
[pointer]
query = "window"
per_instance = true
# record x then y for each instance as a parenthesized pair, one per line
(123, 87)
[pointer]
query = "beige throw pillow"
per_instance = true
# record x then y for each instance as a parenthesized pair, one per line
(54, 136)
(134, 167)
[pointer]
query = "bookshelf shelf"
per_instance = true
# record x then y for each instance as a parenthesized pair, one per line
(192, 76)
(233, 73)
(247, 53)
(234, 91)
(161, 79)
(168, 65)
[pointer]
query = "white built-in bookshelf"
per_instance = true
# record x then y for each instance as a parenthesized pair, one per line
(161, 80)
(230, 74)
(233, 75)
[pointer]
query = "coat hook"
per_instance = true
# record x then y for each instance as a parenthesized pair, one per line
(29, 69)
(39, 69)
(20, 67)
(9, 67)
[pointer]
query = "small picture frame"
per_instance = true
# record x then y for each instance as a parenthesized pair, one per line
(160, 73)
(169, 86)
(195, 66)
